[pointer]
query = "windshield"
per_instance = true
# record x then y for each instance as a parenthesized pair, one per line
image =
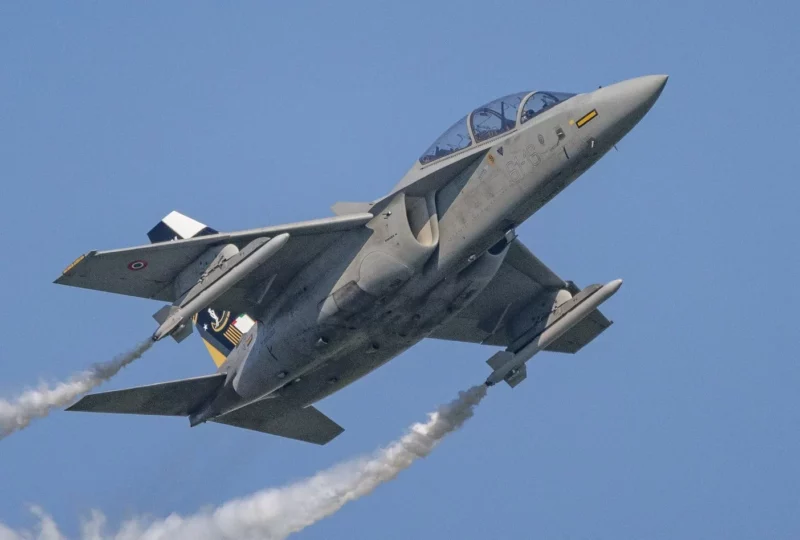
(541, 101)
(454, 139)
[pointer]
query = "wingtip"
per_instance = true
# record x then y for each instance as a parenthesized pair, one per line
(60, 280)
(73, 407)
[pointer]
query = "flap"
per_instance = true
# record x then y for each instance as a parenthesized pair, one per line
(270, 416)
(148, 271)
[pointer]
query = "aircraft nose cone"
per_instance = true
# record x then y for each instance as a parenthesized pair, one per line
(642, 92)
(626, 102)
(634, 96)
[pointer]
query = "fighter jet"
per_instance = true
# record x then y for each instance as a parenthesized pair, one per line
(293, 313)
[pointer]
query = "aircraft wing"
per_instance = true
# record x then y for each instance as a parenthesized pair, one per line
(148, 271)
(520, 280)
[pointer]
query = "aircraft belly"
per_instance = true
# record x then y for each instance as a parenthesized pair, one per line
(341, 371)
(328, 357)
(393, 327)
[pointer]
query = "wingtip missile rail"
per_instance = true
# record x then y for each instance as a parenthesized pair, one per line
(511, 363)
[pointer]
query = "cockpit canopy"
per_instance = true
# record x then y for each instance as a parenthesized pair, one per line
(499, 116)
(491, 120)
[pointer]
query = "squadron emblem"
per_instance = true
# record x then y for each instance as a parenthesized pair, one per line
(220, 321)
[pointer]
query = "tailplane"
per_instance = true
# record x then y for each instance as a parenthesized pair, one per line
(175, 398)
(273, 417)
(185, 397)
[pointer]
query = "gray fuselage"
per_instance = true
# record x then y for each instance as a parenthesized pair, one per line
(433, 245)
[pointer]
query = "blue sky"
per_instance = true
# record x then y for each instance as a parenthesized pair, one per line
(681, 421)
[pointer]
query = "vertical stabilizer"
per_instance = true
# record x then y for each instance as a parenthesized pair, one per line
(176, 226)
(220, 330)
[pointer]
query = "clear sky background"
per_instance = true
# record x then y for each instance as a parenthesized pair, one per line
(681, 421)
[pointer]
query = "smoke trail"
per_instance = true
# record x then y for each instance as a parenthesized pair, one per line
(278, 512)
(37, 403)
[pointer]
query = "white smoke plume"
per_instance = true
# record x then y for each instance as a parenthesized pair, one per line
(278, 512)
(37, 403)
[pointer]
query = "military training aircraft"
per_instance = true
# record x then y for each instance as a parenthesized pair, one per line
(293, 313)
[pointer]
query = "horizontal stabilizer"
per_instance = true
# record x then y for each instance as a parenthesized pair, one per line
(271, 416)
(176, 398)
